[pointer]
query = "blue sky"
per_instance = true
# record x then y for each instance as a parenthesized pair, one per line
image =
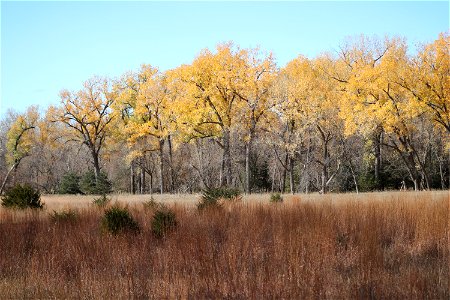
(49, 46)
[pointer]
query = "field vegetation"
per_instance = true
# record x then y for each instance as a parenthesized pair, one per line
(366, 246)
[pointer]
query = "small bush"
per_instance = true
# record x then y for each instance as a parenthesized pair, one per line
(101, 201)
(119, 220)
(70, 184)
(163, 221)
(89, 185)
(22, 197)
(211, 196)
(64, 216)
(276, 198)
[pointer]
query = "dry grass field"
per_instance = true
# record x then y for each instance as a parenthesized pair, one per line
(336, 246)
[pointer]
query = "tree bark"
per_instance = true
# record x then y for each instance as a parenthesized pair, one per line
(14, 166)
(284, 175)
(248, 153)
(142, 180)
(96, 162)
(132, 179)
(377, 162)
(414, 174)
(172, 170)
(441, 172)
(227, 156)
(354, 177)
(291, 175)
(161, 165)
(306, 168)
(325, 162)
(247, 168)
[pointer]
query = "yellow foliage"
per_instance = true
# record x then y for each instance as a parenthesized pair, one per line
(22, 135)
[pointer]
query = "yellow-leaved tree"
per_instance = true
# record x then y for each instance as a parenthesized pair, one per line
(206, 101)
(145, 109)
(427, 80)
(310, 107)
(374, 100)
(254, 91)
(20, 140)
(87, 116)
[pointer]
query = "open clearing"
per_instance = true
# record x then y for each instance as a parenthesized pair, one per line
(57, 202)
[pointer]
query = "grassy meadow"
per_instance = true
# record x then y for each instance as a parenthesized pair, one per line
(335, 246)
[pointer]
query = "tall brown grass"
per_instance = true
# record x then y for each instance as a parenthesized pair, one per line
(392, 248)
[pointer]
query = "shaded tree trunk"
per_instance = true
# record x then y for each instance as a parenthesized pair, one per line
(132, 179)
(291, 175)
(306, 167)
(142, 180)
(227, 156)
(284, 175)
(441, 172)
(248, 153)
(96, 162)
(411, 159)
(325, 138)
(377, 162)
(247, 167)
(161, 165)
(410, 164)
(14, 166)
(354, 177)
(172, 170)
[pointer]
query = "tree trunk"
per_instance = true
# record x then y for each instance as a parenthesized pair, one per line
(14, 166)
(161, 165)
(248, 153)
(142, 180)
(325, 159)
(172, 170)
(306, 168)
(284, 175)
(441, 172)
(291, 175)
(96, 161)
(151, 182)
(273, 179)
(354, 178)
(422, 165)
(132, 180)
(227, 156)
(247, 168)
(414, 174)
(324, 166)
(377, 163)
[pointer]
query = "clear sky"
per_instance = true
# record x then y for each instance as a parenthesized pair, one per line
(49, 46)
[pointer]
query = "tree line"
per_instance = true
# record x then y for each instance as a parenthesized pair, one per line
(368, 116)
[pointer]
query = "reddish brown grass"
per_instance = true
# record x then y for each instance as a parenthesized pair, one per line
(392, 248)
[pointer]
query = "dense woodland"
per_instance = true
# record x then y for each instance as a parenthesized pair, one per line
(371, 115)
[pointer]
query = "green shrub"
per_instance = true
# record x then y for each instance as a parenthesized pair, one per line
(276, 198)
(70, 184)
(211, 196)
(153, 205)
(22, 197)
(89, 185)
(119, 220)
(101, 201)
(64, 216)
(164, 221)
